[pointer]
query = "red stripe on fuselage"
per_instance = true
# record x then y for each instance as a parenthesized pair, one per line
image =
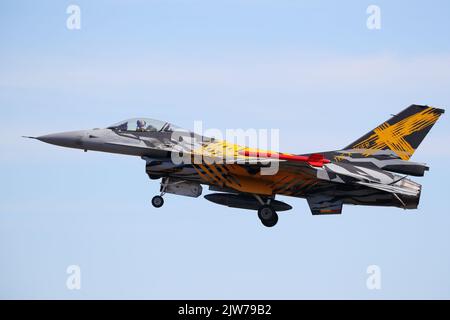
(316, 159)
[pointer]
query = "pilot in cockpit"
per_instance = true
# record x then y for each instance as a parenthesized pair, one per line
(140, 126)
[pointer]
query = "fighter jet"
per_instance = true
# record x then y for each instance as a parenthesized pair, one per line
(371, 171)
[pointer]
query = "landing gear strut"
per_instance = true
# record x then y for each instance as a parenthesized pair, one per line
(158, 201)
(266, 213)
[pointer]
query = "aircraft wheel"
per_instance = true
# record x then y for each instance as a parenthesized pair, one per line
(157, 201)
(270, 223)
(266, 212)
(268, 216)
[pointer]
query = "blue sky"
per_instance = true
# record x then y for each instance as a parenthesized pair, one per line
(310, 68)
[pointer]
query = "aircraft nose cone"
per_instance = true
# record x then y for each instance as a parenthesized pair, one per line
(64, 139)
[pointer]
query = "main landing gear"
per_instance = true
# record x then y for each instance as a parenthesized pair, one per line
(158, 201)
(266, 213)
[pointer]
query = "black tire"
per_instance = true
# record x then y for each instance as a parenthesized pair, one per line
(270, 223)
(268, 216)
(157, 201)
(266, 212)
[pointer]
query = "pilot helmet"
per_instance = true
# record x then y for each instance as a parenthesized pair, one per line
(140, 123)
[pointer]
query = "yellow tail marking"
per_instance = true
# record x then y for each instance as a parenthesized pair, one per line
(393, 136)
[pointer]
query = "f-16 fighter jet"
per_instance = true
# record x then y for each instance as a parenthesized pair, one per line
(371, 171)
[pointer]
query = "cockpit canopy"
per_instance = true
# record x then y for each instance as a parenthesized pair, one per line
(143, 125)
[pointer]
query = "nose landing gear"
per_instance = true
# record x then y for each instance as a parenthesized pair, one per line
(158, 201)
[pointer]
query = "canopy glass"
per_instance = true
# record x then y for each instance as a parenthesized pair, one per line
(143, 125)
